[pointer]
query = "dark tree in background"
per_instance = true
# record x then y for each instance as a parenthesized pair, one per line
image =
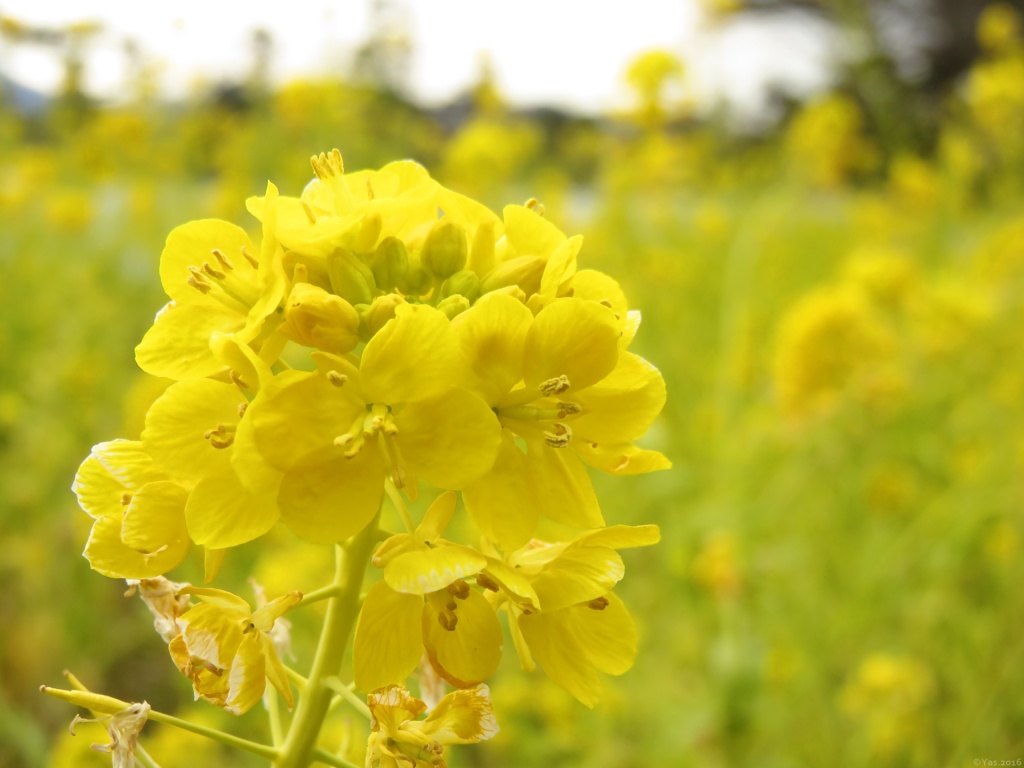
(907, 54)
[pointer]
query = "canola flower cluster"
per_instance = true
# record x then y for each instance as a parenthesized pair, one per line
(386, 332)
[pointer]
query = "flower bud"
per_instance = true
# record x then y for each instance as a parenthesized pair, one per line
(445, 249)
(417, 280)
(351, 278)
(389, 264)
(383, 309)
(315, 318)
(464, 283)
(524, 271)
(453, 305)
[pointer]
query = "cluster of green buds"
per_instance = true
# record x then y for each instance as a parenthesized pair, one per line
(386, 334)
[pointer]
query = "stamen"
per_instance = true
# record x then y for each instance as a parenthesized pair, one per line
(459, 589)
(447, 620)
(199, 283)
(250, 258)
(238, 381)
(222, 259)
(605, 303)
(535, 205)
(369, 191)
(561, 437)
(487, 582)
(126, 499)
(309, 211)
(337, 379)
(555, 386)
(598, 603)
(216, 274)
(242, 408)
(568, 409)
(221, 436)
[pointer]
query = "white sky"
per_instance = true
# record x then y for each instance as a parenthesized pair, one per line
(557, 52)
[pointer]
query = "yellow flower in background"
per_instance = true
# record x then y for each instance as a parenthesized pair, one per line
(425, 604)
(399, 739)
(139, 511)
(337, 433)
(716, 565)
(999, 27)
(581, 628)
(565, 396)
(827, 342)
(226, 650)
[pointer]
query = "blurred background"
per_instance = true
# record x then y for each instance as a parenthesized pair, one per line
(817, 204)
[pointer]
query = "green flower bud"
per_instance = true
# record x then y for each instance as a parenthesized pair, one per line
(351, 278)
(524, 271)
(464, 283)
(389, 263)
(417, 280)
(446, 249)
(453, 305)
(382, 310)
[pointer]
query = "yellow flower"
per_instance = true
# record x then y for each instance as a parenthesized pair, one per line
(336, 433)
(226, 650)
(190, 433)
(218, 283)
(565, 396)
(580, 628)
(425, 604)
(139, 530)
(399, 739)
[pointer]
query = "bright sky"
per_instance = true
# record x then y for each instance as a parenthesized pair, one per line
(557, 52)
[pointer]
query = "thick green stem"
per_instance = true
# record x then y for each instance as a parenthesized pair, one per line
(299, 749)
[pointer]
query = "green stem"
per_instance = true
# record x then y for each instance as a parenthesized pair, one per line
(399, 503)
(347, 692)
(274, 714)
(299, 747)
(144, 758)
(332, 590)
(325, 757)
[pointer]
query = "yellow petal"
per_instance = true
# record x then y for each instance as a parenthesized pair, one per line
(221, 513)
(109, 556)
(388, 645)
(265, 617)
(608, 635)
(578, 575)
(178, 421)
(432, 569)
(557, 649)
(177, 346)
(192, 244)
(528, 233)
(491, 336)
(503, 502)
(275, 670)
(328, 498)
(620, 537)
(462, 717)
(450, 439)
(128, 463)
(247, 678)
(591, 285)
(213, 559)
(437, 517)
(99, 493)
(622, 459)
(299, 413)
(413, 357)
(469, 653)
(241, 359)
(254, 472)
(561, 267)
(514, 582)
(573, 338)
(222, 600)
(211, 634)
(522, 649)
(564, 491)
(155, 518)
(623, 406)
